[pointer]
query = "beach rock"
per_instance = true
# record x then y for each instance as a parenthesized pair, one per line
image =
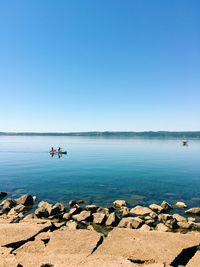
(119, 203)
(106, 211)
(75, 210)
(112, 220)
(181, 205)
(162, 228)
(153, 215)
(72, 225)
(164, 217)
(92, 208)
(191, 219)
(30, 216)
(179, 218)
(72, 203)
(184, 225)
(19, 208)
(195, 211)
(171, 223)
(41, 212)
(195, 226)
(166, 206)
(125, 211)
(139, 210)
(156, 208)
(99, 218)
(150, 222)
(145, 227)
(44, 204)
(81, 201)
(26, 200)
(3, 194)
(83, 216)
(131, 222)
(8, 204)
(58, 208)
(66, 216)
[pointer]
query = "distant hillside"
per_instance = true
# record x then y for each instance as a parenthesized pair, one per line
(150, 134)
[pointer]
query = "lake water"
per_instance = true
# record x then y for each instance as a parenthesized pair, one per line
(101, 170)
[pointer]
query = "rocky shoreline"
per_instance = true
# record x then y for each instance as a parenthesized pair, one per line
(61, 228)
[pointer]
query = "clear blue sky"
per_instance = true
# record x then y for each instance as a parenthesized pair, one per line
(74, 65)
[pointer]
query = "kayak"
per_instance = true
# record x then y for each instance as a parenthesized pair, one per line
(56, 152)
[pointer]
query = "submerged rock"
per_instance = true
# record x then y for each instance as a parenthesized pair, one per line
(166, 206)
(181, 205)
(139, 210)
(195, 211)
(119, 203)
(112, 220)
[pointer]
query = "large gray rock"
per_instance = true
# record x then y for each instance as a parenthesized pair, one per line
(99, 218)
(139, 210)
(66, 216)
(3, 194)
(171, 223)
(106, 211)
(72, 203)
(112, 220)
(130, 222)
(75, 210)
(41, 212)
(179, 218)
(83, 216)
(162, 228)
(195, 211)
(164, 217)
(125, 211)
(8, 204)
(26, 200)
(58, 208)
(119, 203)
(156, 208)
(166, 206)
(181, 205)
(92, 208)
(184, 225)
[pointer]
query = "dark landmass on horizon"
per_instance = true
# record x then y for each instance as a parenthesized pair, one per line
(146, 134)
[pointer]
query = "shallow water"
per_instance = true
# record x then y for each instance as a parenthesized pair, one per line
(101, 170)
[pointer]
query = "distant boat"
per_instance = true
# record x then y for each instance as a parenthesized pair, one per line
(185, 142)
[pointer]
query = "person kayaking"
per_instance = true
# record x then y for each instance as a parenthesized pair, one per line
(52, 150)
(59, 149)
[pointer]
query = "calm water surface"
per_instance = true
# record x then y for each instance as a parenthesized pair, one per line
(101, 170)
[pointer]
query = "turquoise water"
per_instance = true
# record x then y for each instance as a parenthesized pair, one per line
(101, 170)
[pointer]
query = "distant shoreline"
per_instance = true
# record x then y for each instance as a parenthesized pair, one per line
(146, 134)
